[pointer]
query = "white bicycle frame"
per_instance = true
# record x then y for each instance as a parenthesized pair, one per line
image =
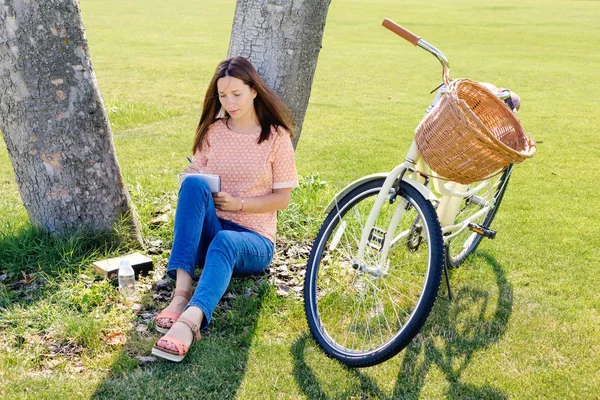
(412, 172)
(448, 204)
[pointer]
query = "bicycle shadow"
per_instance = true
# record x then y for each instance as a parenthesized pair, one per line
(454, 332)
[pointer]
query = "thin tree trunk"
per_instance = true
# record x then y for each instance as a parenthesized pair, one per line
(282, 39)
(54, 122)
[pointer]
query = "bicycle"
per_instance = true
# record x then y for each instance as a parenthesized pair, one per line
(376, 265)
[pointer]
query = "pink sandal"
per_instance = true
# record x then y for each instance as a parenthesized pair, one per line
(182, 349)
(171, 315)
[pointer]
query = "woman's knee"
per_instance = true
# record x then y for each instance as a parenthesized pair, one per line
(222, 251)
(194, 184)
(224, 240)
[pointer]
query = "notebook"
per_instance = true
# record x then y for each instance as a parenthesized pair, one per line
(213, 181)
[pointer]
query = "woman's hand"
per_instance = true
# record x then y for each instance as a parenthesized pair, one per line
(191, 169)
(226, 202)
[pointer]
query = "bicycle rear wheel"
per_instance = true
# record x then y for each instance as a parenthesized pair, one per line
(466, 242)
(363, 315)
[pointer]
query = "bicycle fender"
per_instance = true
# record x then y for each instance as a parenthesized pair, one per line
(353, 185)
(422, 189)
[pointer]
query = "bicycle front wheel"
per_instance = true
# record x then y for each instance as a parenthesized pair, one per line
(363, 313)
(466, 242)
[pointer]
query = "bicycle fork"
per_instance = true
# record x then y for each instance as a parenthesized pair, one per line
(370, 233)
(385, 239)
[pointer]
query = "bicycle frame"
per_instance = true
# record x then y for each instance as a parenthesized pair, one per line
(413, 171)
(448, 204)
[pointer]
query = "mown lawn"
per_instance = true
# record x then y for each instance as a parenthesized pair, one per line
(524, 321)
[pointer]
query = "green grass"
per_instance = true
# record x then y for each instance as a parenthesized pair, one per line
(524, 321)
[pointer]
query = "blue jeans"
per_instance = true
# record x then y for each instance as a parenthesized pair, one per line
(219, 246)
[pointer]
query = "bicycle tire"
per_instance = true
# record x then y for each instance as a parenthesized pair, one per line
(411, 288)
(468, 241)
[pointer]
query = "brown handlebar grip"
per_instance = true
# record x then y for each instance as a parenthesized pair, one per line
(400, 31)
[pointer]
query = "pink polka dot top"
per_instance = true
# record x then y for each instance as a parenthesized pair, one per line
(248, 169)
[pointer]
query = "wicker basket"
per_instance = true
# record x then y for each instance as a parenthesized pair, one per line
(471, 134)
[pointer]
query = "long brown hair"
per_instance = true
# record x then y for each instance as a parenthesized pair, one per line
(271, 111)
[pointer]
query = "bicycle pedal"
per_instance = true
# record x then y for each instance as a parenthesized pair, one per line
(485, 232)
(376, 239)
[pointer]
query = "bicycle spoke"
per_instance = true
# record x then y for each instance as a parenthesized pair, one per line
(404, 281)
(362, 308)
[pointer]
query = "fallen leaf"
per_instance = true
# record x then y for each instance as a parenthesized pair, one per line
(115, 338)
(27, 278)
(161, 219)
(52, 347)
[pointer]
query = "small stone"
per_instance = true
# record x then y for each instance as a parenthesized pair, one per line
(163, 284)
(51, 347)
(3, 277)
(145, 360)
(141, 328)
(147, 315)
(155, 243)
(283, 291)
(282, 268)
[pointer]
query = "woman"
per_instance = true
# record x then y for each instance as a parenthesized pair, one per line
(245, 138)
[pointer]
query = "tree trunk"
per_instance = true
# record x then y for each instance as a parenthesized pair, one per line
(282, 39)
(54, 122)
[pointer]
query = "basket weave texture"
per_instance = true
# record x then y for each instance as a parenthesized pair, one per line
(471, 134)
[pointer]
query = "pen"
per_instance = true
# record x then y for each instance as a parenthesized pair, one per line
(189, 159)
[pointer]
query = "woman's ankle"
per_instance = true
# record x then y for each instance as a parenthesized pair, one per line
(195, 314)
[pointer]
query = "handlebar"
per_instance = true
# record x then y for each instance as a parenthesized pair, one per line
(400, 31)
(417, 41)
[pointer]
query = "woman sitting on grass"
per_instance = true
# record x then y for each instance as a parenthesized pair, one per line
(245, 138)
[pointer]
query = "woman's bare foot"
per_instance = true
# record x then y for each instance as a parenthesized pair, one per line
(181, 331)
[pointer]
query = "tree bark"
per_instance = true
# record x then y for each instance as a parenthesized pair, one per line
(54, 121)
(282, 39)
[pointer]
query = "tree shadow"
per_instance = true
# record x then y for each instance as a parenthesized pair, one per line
(45, 286)
(454, 332)
(215, 365)
(31, 261)
(35, 268)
